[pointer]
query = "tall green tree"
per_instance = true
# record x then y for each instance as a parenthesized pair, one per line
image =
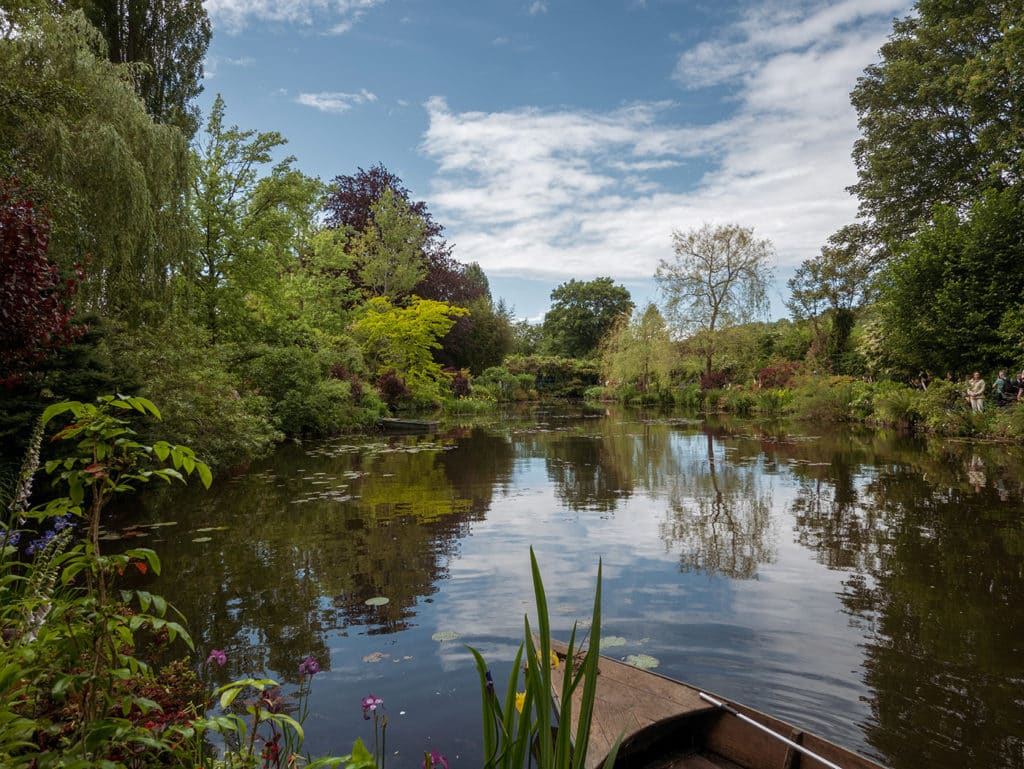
(389, 251)
(941, 114)
(948, 293)
(638, 350)
(113, 180)
(828, 289)
(717, 278)
(249, 222)
(581, 314)
(167, 41)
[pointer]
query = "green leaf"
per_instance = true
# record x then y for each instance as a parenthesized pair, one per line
(162, 449)
(60, 408)
(204, 474)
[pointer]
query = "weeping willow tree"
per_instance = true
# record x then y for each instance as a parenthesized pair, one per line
(73, 130)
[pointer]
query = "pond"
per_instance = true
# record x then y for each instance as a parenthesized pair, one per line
(864, 585)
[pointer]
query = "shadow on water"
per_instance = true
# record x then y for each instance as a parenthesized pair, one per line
(864, 584)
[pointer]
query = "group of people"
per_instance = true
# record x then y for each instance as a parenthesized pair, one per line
(1004, 390)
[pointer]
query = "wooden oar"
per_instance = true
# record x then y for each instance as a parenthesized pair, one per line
(728, 709)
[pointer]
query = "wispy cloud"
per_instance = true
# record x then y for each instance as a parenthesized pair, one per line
(562, 193)
(537, 7)
(334, 101)
(332, 16)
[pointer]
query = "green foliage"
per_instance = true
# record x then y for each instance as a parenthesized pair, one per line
(824, 399)
(402, 338)
(167, 41)
(205, 404)
(74, 130)
(774, 401)
(249, 225)
(638, 351)
(939, 115)
(717, 278)
(389, 252)
(304, 399)
(502, 385)
(70, 677)
(555, 377)
(581, 314)
(945, 296)
(517, 729)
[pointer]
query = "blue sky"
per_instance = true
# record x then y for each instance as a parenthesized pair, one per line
(558, 140)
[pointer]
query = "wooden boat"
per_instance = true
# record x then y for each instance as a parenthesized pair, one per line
(666, 724)
(407, 425)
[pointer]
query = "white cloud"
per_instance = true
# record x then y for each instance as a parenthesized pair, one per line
(334, 101)
(537, 7)
(336, 16)
(569, 193)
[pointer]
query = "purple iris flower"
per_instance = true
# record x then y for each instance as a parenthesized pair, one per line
(309, 667)
(218, 656)
(434, 760)
(370, 705)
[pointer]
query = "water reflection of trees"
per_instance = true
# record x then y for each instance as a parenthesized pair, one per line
(314, 535)
(720, 514)
(934, 536)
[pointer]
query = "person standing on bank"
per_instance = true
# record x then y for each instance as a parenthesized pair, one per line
(976, 392)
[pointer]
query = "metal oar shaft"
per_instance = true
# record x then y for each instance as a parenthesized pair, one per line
(766, 730)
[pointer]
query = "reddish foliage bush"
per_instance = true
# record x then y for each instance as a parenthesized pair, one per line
(778, 374)
(35, 303)
(715, 380)
(392, 387)
(459, 382)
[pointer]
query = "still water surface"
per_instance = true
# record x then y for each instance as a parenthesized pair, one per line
(866, 586)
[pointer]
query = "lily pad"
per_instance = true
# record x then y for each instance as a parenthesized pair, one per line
(203, 539)
(159, 525)
(375, 657)
(378, 600)
(444, 635)
(211, 528)
(643, 661)
(612, 640)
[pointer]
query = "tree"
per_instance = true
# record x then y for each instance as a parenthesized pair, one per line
(947, 294)
(249, 225)
(389, 251)
(114, 182)
(831, 287)
(940, 114)
(35, 302)
(581, 314)
(638, 350)
(717, 278)
(403, 339)
(168, 38)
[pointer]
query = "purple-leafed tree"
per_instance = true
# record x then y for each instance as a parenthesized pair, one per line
(35, 301)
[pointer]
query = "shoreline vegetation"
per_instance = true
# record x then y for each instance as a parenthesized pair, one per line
(79, 637)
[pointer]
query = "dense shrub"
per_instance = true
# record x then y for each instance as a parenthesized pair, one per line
(774, 401)
(777, 374)
(738, 400)
(556, 377)
(713, 380)
(688, 396)
(824, 399)
(392, 388)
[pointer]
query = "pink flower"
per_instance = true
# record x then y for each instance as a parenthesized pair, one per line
(218, 656)
(309, 667)
(434, 760)
(370, 705)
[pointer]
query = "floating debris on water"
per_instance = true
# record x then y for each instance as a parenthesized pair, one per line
(444, 635)
(608, 642)
(378, 600)
(643, 661)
